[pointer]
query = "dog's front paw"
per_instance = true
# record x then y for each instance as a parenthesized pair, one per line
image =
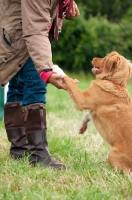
(66, 79)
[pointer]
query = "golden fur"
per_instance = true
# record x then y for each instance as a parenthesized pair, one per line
(109, 105)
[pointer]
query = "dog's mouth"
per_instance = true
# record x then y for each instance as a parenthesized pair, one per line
(96, 70)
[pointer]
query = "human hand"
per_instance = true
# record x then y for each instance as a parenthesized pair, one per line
(56, 80)
(74, 12)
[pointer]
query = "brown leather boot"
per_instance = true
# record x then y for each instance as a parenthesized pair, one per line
(35, 127)
(13, 119)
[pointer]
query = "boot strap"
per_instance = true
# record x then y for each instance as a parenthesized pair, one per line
(12, 104)
(25, 115)
(33, 106)
(28, 108)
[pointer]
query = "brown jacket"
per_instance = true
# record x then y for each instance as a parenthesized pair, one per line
(24, 31)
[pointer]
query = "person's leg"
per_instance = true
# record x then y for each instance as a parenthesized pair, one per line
(35, 117)
(13, 118)
(34, 89)
(15, 89)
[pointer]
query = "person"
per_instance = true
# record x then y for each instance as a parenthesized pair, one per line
(27, 29)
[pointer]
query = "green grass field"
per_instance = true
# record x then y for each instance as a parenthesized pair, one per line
(88, 175)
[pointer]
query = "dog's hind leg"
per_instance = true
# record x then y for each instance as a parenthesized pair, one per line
(86, 119)
(117, 159)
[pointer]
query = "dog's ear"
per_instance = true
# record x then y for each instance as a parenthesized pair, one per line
(110, 63)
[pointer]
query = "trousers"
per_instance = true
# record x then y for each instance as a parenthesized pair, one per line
(27, 86)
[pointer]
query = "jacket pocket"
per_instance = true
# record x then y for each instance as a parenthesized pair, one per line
(8, 49)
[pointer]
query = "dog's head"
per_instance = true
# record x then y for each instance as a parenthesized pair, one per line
(113, 67)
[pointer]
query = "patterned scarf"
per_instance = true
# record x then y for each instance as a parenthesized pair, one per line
(63, 9)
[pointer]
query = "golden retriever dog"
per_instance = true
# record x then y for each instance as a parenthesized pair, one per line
(109, 106)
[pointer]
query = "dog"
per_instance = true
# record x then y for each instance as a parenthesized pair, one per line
(109, 106)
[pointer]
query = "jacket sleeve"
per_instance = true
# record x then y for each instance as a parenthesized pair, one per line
(36, 20)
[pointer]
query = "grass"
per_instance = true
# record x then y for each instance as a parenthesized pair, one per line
(88, 175)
